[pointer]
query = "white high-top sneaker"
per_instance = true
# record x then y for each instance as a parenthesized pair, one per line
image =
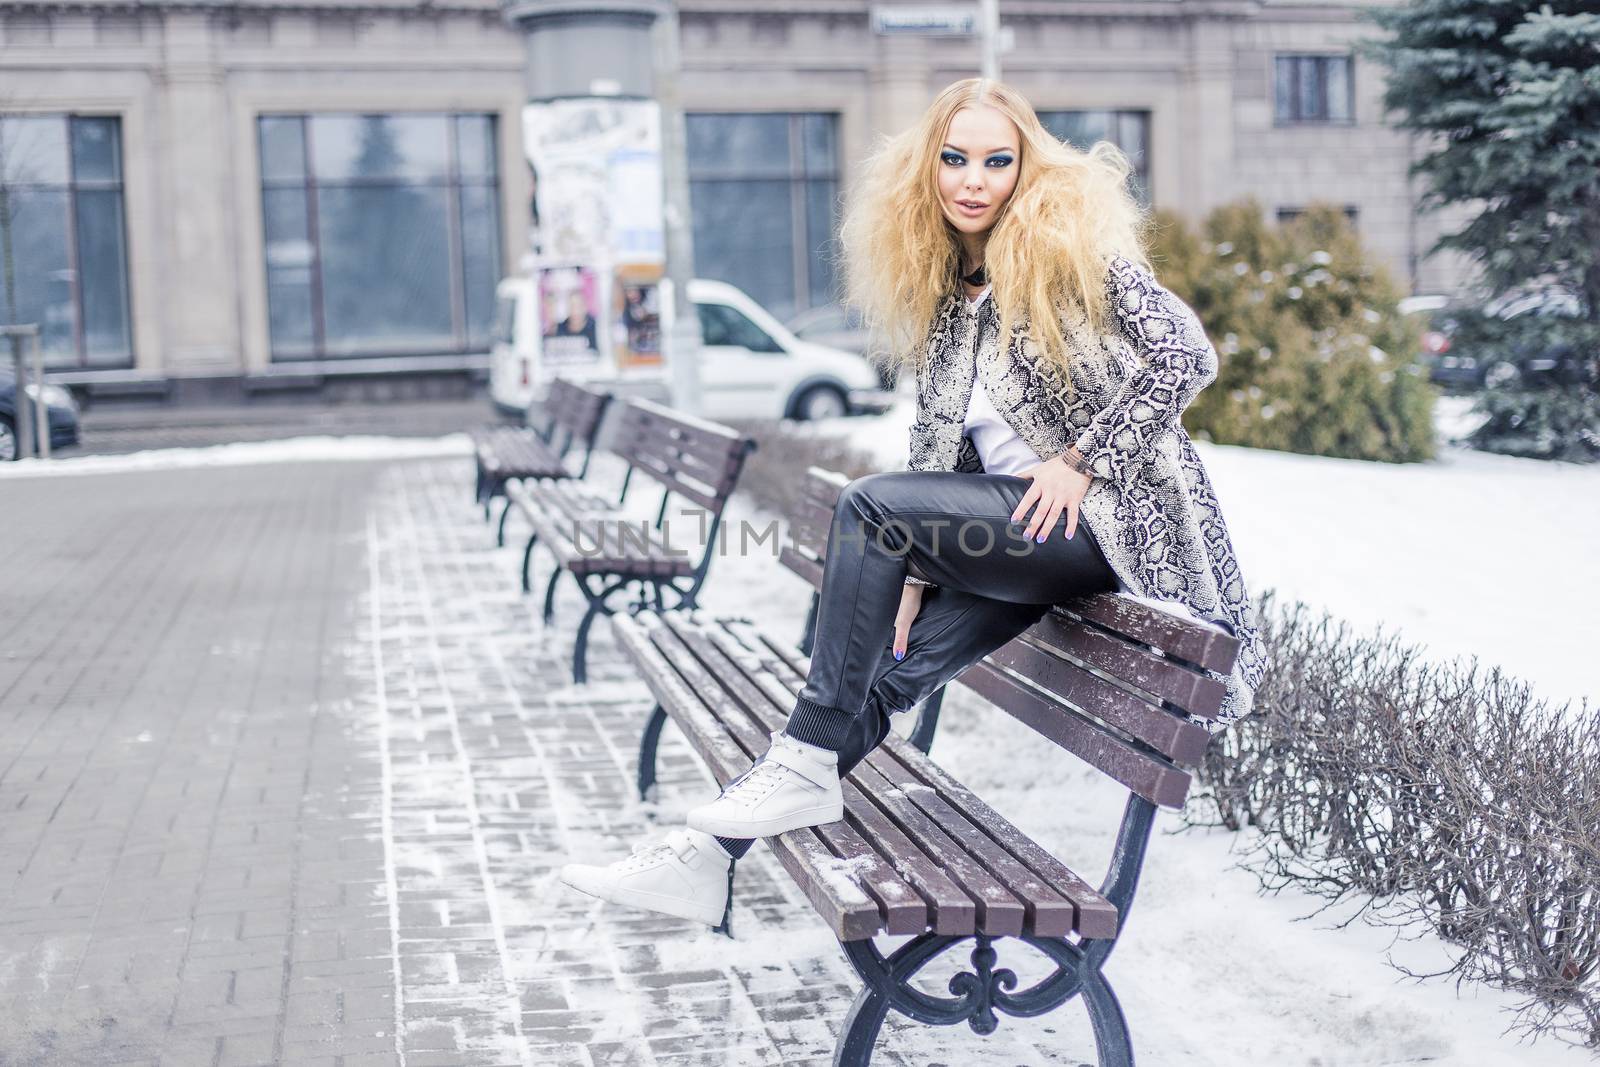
(793, 785)
(685, 875)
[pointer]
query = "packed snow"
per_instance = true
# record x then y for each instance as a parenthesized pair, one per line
(312, 448)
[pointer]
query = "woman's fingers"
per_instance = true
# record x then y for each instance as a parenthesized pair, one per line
(1033, 494)
(1044, 517)
(1072, 520)
(910, 604)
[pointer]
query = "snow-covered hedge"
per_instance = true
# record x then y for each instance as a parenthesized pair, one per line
(1446, 792)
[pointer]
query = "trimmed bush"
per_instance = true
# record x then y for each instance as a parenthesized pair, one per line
(1448, 793)
(1315, 356)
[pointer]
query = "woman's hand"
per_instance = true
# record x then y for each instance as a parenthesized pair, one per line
(910, 604)
(1055, 486)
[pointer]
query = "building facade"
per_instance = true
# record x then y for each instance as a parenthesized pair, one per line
(247, 196)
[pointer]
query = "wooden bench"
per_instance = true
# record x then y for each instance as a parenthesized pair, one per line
(918, 853)
(506, 452)
(590, 538)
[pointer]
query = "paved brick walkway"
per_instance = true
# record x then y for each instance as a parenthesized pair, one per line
(287, 765)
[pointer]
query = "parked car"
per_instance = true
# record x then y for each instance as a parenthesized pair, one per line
(62, 410)
(1454, 362)
(839, 326)
(751, 365)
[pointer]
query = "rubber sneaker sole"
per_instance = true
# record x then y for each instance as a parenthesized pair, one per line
(596, 882)
(700, 819)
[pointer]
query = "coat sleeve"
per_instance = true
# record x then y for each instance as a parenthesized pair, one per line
(923, 443)
(1176, 361)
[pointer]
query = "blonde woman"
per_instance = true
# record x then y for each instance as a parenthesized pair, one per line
(1047, 461)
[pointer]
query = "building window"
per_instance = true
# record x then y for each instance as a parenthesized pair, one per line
(1313, 89)
(1128, 130)
(382, 233)
(764, 191)
(63, 243)
(1289, 214)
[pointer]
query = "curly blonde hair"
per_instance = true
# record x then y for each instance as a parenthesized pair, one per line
(1050, 244)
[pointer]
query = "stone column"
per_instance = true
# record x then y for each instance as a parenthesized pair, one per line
(199, 266)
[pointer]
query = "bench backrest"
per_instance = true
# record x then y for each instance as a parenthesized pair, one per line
(569, 406)
(694, 457)
(1105, 677)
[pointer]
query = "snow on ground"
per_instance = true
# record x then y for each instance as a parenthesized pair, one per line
(293, 449)
(1212, 972)
(1469, 554)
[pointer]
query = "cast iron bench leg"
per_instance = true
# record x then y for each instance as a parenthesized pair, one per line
(597, 606)
(978, 992)
(550, 595)
(927, 721)
(527, 562)
(647, 750)
(1105, 1015)
(500, 535)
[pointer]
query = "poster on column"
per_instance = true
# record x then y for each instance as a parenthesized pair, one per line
(636, 307)
(597, 166)
(569, 321)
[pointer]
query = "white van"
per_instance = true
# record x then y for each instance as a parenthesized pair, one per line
(751, 366)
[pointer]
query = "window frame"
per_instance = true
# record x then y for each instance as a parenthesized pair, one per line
(1297, 62)
(72, 184)
(455, 180)
(1141, 168)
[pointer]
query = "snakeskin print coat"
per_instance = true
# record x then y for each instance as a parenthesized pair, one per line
(1150, 505)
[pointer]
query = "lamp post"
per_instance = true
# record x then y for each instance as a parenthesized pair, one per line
(33, 420)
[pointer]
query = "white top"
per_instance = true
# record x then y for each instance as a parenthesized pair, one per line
(1000, 450)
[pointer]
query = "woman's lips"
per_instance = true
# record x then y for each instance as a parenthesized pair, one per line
(966, 208)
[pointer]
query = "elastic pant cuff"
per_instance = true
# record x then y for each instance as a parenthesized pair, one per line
(818, 724)
(736, 847)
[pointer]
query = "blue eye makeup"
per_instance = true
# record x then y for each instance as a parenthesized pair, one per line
(956, 159)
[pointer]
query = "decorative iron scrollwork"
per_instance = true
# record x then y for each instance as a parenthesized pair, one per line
(979, 991)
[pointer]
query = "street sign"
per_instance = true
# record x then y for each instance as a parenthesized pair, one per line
(925, 20)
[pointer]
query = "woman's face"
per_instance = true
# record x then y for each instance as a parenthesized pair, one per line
(977, 167)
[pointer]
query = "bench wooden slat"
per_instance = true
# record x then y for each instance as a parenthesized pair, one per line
(1148, 775)
(1048, 911)
(904, 909)
(1081, 902)
(517, 453)
(809, 569)
(999, 911)
(1177, 637)
(1155, 726)
(674, 477)
(814, 866)
(1097, 916)
(953, 910)
(1167, 679)
(705, 456)
(697, 459)
(558, 517)
(851, 915)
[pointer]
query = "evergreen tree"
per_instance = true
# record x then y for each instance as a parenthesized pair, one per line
(1510, 95)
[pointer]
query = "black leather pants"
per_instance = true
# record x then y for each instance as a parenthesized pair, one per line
(991, 585)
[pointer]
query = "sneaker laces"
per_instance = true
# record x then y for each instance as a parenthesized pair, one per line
(649, 853)
(758, 782)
